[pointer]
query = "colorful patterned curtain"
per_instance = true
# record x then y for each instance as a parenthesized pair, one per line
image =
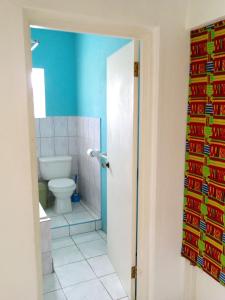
(204, 196)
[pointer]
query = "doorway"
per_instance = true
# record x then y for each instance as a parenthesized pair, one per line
(64, 254)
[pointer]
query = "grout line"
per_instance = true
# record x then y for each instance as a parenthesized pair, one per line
(61, 226)
(57, 289)
(115, 273)
(84, 259)
(70, 235)
(64, 294)
(70, 263)
(63, 247)
(75, 243)
(107, 275)
(89, 243)
(60, 289)
(98, 278)
(81, 243)
(94, 271)
(105, 289)
(60, 286)
(65, 219)
(82, 254)
(91, 267)
(58, 279)
(79, 283)
(67, 246)
(96, 239)
(96, 256)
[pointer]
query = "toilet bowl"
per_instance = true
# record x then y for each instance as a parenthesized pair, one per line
(62, 189)
(57, 171)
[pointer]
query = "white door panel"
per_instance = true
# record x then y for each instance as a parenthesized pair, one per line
(122, 111)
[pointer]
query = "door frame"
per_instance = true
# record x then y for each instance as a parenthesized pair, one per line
(148, 124)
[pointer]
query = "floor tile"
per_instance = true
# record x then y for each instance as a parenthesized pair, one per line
(66, 255)
(58, 221)
(94, 248)
(101, 265)
(77, 207)
(78, 217)
(82, 228)
(62, 242)
(102, 234)
(113, 286)
(91, 290)
(86, 237)
(59, 232)
(57, 295)
(78, 276)
(74, 273)
(50, 283)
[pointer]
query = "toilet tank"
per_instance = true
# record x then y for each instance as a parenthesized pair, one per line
(55, 167)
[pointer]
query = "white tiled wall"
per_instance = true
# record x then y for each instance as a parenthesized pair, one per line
(73, 136)
(89, 168)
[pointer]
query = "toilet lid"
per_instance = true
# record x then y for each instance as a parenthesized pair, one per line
(61, 183)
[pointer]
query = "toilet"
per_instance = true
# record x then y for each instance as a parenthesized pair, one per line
(57, 170)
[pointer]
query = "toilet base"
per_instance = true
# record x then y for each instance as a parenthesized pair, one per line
(63, 205)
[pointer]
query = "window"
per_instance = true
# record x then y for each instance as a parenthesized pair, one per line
(38, 84)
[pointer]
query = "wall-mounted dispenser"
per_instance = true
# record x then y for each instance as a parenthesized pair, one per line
(101, 157)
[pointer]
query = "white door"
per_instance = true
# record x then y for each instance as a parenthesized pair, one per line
(122, 124)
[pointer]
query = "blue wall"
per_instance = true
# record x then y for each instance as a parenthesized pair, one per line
(56, 54)
(75, 73)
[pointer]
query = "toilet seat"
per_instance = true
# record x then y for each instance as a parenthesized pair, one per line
(61, 183)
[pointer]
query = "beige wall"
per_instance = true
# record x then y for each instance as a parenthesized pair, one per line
(169, 16)
(204, 11)
(18, 262)
(201, 12)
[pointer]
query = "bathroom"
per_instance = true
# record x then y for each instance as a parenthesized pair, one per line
(69, 92)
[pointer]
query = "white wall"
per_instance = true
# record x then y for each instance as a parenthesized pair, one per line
(204, 11)
(201, 12)
(169, 16)
(18, 271)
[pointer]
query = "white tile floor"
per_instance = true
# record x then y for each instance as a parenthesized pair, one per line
(78, 215)
(82, 270)
(80, 220)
